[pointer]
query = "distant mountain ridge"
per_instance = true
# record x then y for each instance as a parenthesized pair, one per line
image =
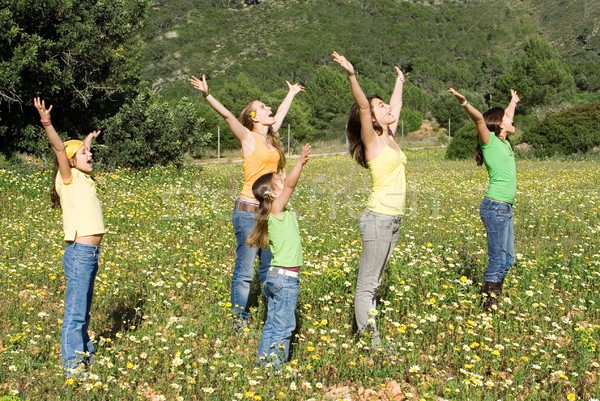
(223, 37)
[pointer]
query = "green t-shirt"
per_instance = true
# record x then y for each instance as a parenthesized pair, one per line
(499, 161)
(284, 239)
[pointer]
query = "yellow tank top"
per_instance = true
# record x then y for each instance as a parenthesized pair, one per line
(262, 161)
(388, 191)
(82, 213)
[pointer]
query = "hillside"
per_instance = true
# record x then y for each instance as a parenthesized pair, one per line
(437, 40)
(250, 51)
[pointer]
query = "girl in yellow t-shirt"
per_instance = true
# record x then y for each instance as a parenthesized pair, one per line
(262, 153)
(75, 192)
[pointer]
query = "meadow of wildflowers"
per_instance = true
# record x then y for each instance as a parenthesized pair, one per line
(161, 314)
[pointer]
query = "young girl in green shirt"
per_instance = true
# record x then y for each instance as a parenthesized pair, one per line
(277, 228)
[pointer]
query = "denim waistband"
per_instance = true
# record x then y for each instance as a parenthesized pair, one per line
(497, 201)
(76, 245)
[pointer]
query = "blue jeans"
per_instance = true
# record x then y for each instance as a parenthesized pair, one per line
(282, 292)
(80, 263)
(498, 220)
(379, 236)
(243, 269)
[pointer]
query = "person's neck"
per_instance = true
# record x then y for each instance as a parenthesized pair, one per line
(261, 131)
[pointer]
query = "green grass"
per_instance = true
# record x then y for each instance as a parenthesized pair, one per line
(161, 315)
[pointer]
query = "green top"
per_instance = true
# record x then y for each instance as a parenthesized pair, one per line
(499, 161)
(284, 239)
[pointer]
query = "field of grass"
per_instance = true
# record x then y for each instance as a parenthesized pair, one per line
(161, 316)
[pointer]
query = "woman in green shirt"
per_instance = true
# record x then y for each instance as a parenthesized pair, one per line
(496, 208)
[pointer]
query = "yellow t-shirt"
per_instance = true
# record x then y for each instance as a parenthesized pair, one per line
(262, 161)
(82, 213)
(388, 192)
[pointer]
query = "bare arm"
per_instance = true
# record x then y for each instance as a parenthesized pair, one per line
(235, 126)
(396, 99)
(512, 105)
(57, 144)
(91, 136)
(284, 107)
(483, 134)
(368, 133)
(290, 182)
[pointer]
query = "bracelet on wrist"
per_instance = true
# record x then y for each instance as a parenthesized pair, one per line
(205, 94)
(46, 122)
(401, 79)
(465, 103)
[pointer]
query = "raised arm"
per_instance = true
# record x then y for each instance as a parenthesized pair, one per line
(284, 107)
(90, 137)
(234, 124)
(290, 182)
(366, 122)
(57, 144)
(483, 134)
(512, 105)
(396, 99)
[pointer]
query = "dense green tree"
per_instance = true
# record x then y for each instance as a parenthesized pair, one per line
(410, 120)
(571, 131)
(151, 131)
(539, 75)
(329, 95)
(463, 143)
(81, 56)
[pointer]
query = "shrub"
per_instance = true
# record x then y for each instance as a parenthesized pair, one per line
(149, 131)
(571, 131)
(463, 143)
(411, 119)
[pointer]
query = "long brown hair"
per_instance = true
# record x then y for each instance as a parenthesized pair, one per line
(272, 136)
(493, 120)
(262, 187)
(356, 146)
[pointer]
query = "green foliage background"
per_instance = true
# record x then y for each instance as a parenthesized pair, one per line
(90, 58)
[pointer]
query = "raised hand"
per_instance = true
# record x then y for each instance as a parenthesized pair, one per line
(295, 88)
(40, 105)
(95, 134)
(200, 84)
(305, 154)
(399, 73)
(461, 99)
(345, 64)
(514, 97)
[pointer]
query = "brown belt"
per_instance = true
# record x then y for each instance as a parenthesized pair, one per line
(245, 206)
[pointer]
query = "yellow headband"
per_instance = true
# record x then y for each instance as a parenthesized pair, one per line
(72, 146)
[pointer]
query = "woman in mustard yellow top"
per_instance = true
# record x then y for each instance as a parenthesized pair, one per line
(370, 131)
(74, 191)
(262, 153)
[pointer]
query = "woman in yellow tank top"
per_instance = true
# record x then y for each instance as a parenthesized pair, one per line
(370, 131)
(262, 153)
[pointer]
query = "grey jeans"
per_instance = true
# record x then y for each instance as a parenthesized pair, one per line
(379, 236)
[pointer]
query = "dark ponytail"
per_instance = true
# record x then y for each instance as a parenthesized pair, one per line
(493, 120)
(262, 187)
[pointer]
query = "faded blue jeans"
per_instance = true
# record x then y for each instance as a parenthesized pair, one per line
(243, 269)
(80, 263)
(498, 220)
(281, 289)
(379, 236)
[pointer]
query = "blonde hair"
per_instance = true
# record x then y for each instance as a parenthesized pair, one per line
(272, 137)
(262, 187)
